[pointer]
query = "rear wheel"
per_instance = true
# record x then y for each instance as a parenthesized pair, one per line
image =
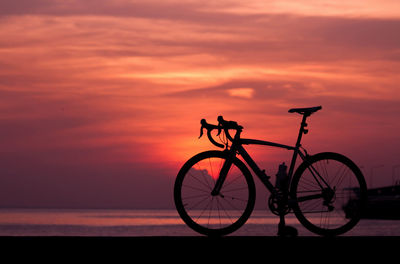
(328, 192)
(214, 215)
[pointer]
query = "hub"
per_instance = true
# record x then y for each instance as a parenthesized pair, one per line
(215, 193)
(329, 196)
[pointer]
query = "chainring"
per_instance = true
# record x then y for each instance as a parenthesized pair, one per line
(276, 205)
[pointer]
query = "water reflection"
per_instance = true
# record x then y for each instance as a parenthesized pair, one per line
(24, 222)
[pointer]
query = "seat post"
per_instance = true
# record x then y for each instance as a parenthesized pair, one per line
(302, 130)
(298, 144)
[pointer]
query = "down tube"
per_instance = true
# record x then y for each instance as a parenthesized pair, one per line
(261, 174)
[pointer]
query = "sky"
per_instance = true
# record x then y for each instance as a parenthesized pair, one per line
(101, 101)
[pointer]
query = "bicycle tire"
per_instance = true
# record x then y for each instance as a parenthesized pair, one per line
(230, 219)
(349, 189)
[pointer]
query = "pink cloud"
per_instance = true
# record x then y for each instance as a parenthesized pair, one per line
(117, 89)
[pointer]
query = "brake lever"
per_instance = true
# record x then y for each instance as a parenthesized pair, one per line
(201, 132)
(201, 128)
(220, 120)
(219, 129)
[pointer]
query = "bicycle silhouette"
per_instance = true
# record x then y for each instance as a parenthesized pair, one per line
(214, 191)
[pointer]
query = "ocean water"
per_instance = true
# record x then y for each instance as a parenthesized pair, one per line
(46, 222)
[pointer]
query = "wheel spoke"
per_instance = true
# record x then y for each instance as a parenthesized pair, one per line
(322, 209)
(220, 214)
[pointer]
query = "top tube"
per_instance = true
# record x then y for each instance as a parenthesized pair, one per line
(246, 141)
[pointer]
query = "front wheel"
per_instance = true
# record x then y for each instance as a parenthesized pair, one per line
(328, 193)
(214, 215)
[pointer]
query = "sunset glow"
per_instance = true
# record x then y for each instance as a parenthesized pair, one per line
(103, 99)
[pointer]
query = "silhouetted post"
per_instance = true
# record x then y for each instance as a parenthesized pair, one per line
(372, 173)
(394, 182)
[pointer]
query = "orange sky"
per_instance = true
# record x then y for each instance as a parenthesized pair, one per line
(103, 99)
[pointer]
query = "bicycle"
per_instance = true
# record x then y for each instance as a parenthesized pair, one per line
(214, 191)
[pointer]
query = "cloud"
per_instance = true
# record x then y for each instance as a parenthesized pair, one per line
(108, 84)
(246, 93)
(185, 28)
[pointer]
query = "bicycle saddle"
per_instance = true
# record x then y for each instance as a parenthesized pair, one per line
(305, 111)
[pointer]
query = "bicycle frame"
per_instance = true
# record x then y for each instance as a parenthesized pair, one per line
(237, 147)
(318, 188)
(261, 173)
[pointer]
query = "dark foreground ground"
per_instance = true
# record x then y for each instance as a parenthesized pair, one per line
(200, 249)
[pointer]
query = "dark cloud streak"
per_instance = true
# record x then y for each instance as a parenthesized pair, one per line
(88, 90)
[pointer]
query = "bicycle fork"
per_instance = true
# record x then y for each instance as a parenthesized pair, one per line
(222, 174)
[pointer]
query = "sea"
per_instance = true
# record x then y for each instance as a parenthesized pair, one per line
(139, 223)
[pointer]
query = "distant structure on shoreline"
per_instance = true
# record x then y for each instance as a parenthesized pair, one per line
(383, 203)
